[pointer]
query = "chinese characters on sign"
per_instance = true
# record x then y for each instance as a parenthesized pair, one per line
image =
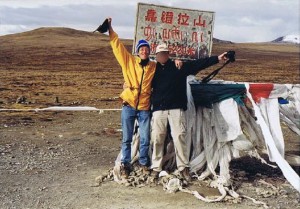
(188, 33)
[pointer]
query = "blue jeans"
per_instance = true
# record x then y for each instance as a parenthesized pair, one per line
(128, 117)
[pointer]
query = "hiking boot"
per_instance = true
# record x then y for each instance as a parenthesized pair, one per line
(154, 174)
(185, 173)
(124, 170)
(145, 169)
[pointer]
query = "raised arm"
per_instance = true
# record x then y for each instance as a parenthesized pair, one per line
(193, 67)
(119, 50)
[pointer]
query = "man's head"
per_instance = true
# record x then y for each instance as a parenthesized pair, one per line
(143, 49)
(162, 53)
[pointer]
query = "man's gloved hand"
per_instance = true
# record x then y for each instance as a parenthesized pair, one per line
(223, 57)
(105, 26)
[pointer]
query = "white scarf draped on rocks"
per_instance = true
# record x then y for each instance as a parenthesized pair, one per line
(218, 134)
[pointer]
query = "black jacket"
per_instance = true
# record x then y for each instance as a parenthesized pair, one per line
(169, 83)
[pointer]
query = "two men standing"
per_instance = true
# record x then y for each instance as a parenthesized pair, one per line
(167, 86)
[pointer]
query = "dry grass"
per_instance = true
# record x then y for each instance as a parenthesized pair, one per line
(79, 67)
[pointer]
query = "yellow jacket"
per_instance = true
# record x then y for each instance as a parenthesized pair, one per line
(137, 96)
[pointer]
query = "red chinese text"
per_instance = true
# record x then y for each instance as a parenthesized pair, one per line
(151, 15)
(197, 36)
(183, 19)
(173, 33)
(199, 22)
(149, 33)
(167, 17)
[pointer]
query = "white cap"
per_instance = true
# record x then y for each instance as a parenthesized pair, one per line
(162, 48)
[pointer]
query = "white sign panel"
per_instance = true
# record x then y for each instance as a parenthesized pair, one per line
(188, 33)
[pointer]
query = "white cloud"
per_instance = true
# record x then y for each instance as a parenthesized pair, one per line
(39, 3)
(242, 33)
(9, 29)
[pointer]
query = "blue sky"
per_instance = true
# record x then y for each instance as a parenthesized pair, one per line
(237, 21)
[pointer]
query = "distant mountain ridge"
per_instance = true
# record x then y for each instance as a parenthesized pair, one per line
(73, 32)
(215, 40)
(292, 38)
(62, 31)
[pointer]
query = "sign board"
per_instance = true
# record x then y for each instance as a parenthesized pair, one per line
(188, 33)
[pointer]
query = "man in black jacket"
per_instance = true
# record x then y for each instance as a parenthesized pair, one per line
(169, 102)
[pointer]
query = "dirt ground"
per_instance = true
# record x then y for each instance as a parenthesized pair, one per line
(51, 159)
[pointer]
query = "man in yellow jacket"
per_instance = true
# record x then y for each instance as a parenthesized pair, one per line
(138, 72)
